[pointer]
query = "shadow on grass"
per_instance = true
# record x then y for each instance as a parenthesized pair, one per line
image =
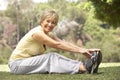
(109, 73)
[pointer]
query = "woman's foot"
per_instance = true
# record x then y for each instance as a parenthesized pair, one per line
(82, 68)
(99, 59)
(92, 64)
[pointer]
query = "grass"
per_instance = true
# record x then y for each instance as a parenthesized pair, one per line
(105, 73)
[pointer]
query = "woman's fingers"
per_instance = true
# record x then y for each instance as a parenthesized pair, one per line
(88, 52)
(92, 50)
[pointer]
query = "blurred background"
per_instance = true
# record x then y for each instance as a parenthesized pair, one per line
(86, 23)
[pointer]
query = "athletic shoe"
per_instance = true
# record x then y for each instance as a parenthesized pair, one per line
(91, 64)
(99, 59)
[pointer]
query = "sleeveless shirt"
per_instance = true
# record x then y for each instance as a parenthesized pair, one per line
(27, 46)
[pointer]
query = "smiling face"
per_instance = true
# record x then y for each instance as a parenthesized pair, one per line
(48, 21)
(48, 24)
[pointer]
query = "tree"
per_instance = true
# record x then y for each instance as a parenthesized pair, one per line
(108, 11)
(22, 13)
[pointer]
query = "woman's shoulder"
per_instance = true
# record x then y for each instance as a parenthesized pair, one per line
(36, 29)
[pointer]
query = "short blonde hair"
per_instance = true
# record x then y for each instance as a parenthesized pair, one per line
(49, 13)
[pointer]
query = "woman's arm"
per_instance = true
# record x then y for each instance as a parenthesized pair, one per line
(45, 39)
(68, 44)
(59, 44)
(84, 51)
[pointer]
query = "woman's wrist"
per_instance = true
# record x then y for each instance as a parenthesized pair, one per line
(82, 50)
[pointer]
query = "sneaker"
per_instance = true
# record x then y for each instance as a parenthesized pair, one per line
(99, 59)
(92, 63)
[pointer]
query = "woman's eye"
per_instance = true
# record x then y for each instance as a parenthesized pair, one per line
(48, 21)
(53, 22)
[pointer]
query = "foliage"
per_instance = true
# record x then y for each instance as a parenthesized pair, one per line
(110, 46)
(22, 13)
(92, 32)
(108, 11)
(4, 55)
(93, 28)
(107, 40)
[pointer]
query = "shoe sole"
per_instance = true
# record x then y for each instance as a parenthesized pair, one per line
(95, 65)
(98, 62)
(96, 59)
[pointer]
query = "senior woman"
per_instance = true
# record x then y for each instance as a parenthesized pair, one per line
(29, 55)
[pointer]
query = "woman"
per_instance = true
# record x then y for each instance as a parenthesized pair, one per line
(29, 57)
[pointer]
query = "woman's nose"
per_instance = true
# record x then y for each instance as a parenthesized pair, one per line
(49, 24)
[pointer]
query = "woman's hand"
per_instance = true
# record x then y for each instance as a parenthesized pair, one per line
(87, 52)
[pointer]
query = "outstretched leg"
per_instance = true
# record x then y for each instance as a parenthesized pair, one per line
(46, 63)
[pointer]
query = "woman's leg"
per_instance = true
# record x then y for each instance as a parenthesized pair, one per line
(61, 64)
(46, 63)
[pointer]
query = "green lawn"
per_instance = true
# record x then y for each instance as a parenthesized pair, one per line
(105, 73)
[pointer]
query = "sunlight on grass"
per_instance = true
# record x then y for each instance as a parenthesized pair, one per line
(109, 65)
(4, 67)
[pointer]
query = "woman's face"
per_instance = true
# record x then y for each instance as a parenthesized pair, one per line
(48, 24)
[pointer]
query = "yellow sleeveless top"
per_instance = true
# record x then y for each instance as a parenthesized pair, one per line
(28, 47)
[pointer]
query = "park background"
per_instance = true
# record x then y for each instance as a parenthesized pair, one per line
(86, 23)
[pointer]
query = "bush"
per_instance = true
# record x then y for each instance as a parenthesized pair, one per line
(2, 60)
(4, 55)
(109, 45)
(113, 58)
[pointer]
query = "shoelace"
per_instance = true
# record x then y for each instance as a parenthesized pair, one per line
(94, 57)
